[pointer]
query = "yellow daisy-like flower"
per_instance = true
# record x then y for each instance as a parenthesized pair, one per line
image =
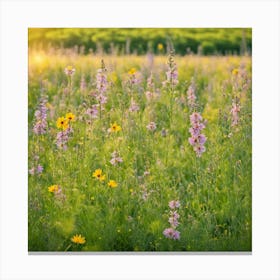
(132, 71)
(112, 184)
(70, 117)
(235, 72)
(62, 123)
(53, 188)
(78, 239)
(160, 46)
(115, 128)
(98, 175)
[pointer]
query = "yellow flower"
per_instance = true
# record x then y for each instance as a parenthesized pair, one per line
(78, 239)
(62, 123)
(132, 71)
(69, 68)
(235, 72)
(114, 127)
(160, 46)
(70, 117)
(53, 188)
(112, 184)
(98, 175)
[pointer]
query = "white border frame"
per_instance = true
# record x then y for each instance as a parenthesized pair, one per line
(17, 16)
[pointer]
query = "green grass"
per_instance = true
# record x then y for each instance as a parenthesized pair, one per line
(214, 190)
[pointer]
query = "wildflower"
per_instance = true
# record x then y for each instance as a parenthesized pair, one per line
(174, 204)
(172, 72)
(31, 171)
(83, 84)
(102, 99)
(133, 80)
(53, 188)
(98, 175)
(160, 46)
(112, 184)
(69, 70)
(78, 239)
(171, 233)
(151, 126)
(195, 118)
(39, 169)
(40, 125)
(101, 79)
(199, 150)
(150, 82)
(197, 140)
(70, 117)
(92, 111)
(150, 92)
(63, 137)
(235, 109)
(173, 220)
(114, 127)
(115, 158)
(191, 95)
(235, 72)
(62, 123)
(146, 173)
(134, 107)
(59, 195)
(132, 71)
(149, 95)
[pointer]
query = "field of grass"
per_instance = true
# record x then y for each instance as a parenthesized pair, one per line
(132, 121)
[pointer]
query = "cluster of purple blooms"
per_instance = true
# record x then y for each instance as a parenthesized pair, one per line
(37, 168)
(150, 92)
(115, 158)
(134, 79)
(101, 80)
(93, 111)
(151, 126)
(191, 95)
(100, 94)
(235, 109)
(63, 137)
(197, 139)
(173, 220)
(40, 126)
(134, 107)
(172, 72)
(83, 84)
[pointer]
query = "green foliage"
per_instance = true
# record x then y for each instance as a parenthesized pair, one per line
(142, 40)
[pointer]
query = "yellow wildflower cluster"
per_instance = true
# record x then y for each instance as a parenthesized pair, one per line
(63, 122)
(98, 174)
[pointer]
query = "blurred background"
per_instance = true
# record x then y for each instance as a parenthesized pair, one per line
(139, 41)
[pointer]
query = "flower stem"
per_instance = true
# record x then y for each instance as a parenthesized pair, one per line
(68, 247)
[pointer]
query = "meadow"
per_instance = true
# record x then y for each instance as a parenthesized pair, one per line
(139, 153)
